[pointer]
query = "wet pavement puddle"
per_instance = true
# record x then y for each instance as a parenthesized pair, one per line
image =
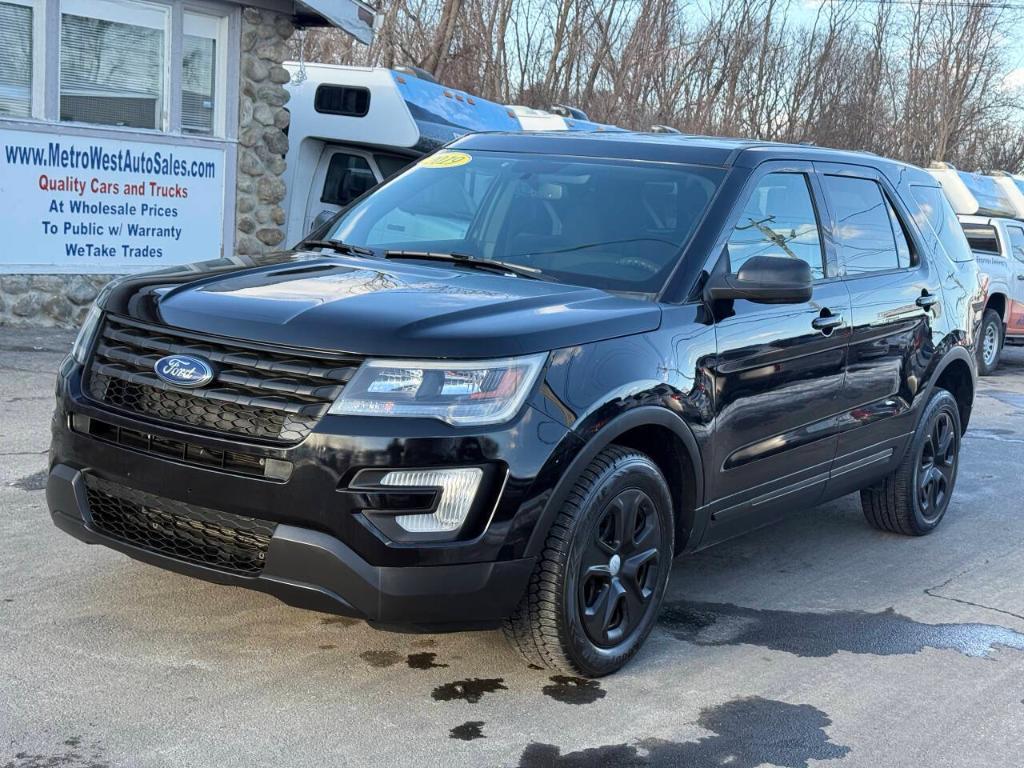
(468, 731)
(573, 690)
(823, 634)
(471, 690)
(748, 732)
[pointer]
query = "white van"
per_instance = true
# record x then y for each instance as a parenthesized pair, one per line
(352, 127)
(991, 211)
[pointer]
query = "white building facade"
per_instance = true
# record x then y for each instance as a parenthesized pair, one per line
(136, 134)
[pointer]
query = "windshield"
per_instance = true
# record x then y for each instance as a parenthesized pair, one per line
(615, 225)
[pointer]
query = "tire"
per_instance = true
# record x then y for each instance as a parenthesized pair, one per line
(593, 565)
(914, 499)
(990, 343)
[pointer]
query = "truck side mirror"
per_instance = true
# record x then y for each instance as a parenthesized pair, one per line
(322, 218)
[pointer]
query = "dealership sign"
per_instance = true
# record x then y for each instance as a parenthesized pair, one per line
(77, 204)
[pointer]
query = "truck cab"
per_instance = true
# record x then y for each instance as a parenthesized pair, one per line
(990, 209)
(353, 127)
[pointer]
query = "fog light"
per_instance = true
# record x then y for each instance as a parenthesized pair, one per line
(458, 489)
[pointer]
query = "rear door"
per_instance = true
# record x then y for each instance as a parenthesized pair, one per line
(896, 297)
(779, 369)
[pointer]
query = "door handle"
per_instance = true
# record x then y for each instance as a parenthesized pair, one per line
(927, 300)
(1020, 277)
(827, 323)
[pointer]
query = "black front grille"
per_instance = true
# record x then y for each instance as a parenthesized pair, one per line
(187, 452)
(186, 532)
(273, 395)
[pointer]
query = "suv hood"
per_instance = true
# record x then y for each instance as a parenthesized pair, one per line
(371, 307)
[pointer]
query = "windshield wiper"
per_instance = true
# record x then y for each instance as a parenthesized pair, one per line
(598, 243)
(338, 246)
(465, 260)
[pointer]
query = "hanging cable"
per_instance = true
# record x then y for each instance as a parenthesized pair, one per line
(300, 74)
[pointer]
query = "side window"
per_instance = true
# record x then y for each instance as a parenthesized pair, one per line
(936, 212)
(778, 220)
(869, 233)
(1016, 242)
(348, 176)
(982, 238)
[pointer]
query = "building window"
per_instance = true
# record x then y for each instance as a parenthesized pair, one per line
(16, 56)
(203, 74)
(113, 63)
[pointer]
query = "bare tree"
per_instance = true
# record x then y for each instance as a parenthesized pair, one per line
(917, 80)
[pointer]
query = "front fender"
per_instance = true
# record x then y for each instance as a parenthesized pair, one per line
(597, 436)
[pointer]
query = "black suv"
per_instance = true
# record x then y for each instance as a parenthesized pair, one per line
(513, 383)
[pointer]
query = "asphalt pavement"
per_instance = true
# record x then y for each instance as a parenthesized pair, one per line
(816, 641)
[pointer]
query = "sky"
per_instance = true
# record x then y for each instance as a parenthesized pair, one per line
(804, 11)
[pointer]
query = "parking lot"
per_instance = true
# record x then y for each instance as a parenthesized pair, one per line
(816, 641)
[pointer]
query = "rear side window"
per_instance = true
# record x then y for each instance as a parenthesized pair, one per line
(348, 176)
(778, 220)
(870, 234)
(1016, 242)
(982, 238)
(936, 213)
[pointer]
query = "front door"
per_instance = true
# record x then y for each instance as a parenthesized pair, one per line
(342, 175)
(779, 368)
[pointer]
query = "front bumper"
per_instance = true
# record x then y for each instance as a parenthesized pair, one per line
(315, 570)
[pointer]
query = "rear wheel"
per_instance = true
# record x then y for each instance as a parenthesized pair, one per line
(990, 343)
(914, 498)
(598, 585)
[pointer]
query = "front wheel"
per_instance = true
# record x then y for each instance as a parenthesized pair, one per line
(914, 498)
(990, 342)
(598, 585)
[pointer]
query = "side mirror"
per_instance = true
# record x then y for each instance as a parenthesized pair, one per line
(764, 280)
(321, 218)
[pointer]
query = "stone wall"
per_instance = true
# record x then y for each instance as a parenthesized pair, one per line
(262, 141)
(63, 300)
(47, 300)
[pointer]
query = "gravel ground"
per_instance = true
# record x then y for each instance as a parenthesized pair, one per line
(817, 641)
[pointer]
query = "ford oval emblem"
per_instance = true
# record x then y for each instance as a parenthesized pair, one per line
(184, 370)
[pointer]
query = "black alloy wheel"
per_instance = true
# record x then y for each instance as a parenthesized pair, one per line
(619, 568)
(936, 470)
(599, 582)
(913, 500)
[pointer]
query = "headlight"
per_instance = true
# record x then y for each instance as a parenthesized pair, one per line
(460, 393)
(80, 349)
